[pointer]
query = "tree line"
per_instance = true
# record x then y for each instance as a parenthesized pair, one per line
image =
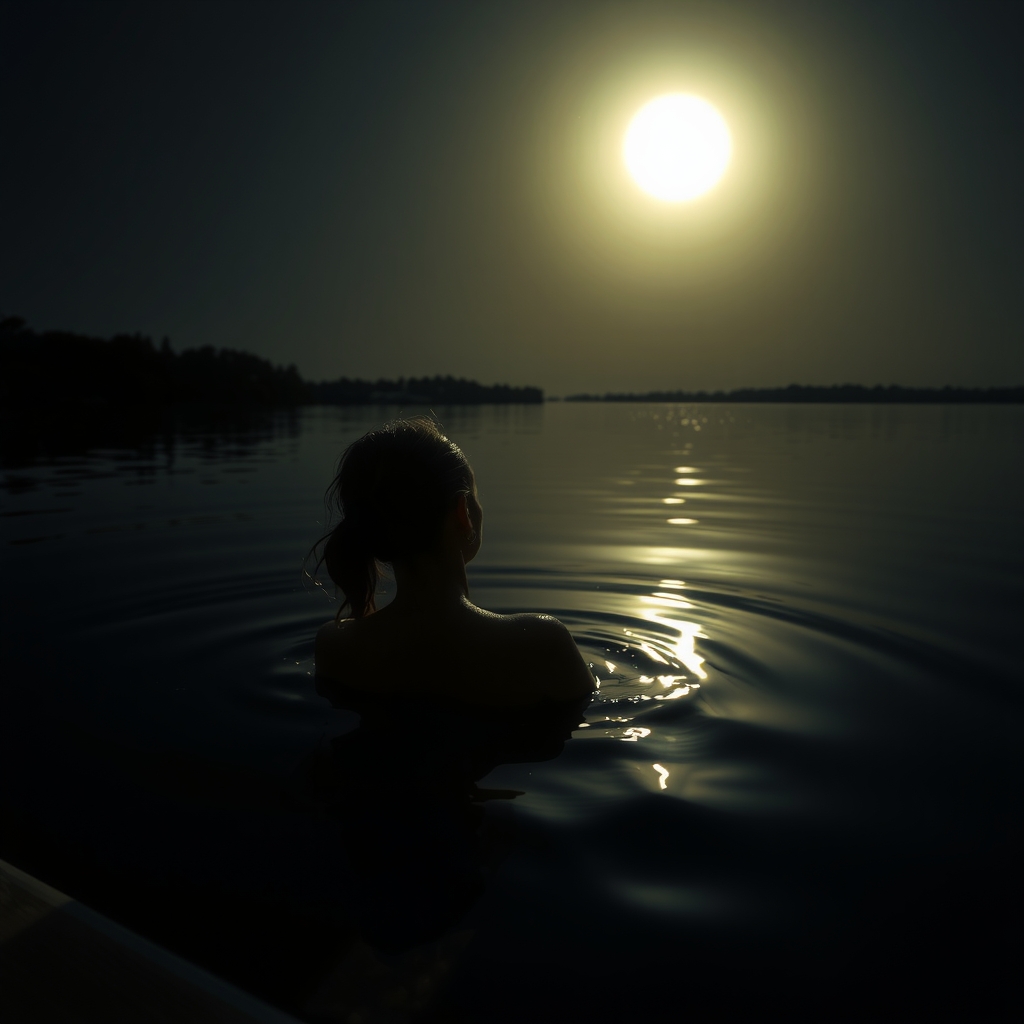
(72, 370)
(849, 393)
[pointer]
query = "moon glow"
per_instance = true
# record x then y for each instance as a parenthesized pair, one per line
(677, 147)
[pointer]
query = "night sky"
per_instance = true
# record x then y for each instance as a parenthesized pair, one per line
(423, 188)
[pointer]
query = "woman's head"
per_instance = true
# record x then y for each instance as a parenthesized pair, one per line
(394, 489)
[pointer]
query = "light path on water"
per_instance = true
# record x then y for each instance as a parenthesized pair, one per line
(803, 620)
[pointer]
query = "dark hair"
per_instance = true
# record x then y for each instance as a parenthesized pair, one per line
(392, 490)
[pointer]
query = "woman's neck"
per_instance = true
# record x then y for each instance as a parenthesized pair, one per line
(432, 583)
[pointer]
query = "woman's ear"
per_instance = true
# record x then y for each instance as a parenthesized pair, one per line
(462, 514)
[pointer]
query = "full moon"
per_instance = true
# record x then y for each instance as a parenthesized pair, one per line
(677, 147)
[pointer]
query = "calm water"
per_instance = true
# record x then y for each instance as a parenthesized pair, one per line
(795, 796)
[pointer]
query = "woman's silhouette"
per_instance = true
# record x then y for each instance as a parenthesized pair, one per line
(407, 496)
(445, 692)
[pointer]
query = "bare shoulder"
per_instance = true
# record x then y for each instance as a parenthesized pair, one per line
(560, 669)
(543, 629)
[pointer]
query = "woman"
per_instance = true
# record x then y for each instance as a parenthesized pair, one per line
(407, 496)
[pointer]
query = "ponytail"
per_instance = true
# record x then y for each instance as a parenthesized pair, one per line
(351, 564)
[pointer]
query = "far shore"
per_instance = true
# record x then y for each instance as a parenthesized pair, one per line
(851, 394)
(52, 371)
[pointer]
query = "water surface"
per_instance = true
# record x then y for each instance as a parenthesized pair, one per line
(795, 794)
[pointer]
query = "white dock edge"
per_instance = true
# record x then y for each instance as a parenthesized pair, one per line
(62, 962)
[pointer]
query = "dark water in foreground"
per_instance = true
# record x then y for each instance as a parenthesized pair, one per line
(796, 795)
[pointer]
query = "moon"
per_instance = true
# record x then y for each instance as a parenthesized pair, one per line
(677, 147)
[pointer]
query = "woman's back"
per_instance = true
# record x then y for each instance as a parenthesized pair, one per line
(466, 654)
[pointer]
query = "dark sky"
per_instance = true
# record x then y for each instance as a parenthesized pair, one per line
(384, 189)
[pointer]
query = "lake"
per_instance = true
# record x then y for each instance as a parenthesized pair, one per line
(795, 795)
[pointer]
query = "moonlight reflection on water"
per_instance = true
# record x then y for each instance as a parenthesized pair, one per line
(762, 781)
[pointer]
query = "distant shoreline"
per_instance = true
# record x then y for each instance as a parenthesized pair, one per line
(59, 369)
(836, 394)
